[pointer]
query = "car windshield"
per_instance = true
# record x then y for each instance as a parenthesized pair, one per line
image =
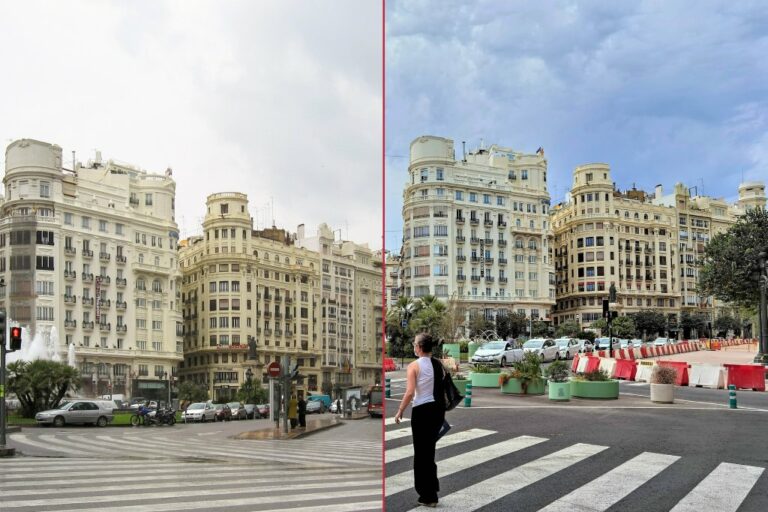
(496, 345)
(233, 405)
(196, 406)
(65, 406)
(562, 343)
(376, 397)
(533, 344)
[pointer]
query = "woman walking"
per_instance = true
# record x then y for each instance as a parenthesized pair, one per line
(427, 417)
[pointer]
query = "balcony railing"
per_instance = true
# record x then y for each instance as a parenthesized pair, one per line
(461, 257)
(475, 279)
(87, 301)
(474, 240)
(70, 324)
(104, 256)
(88, 325)
(489, 241)
(124, 328)
(87, 277)
(503, 279)
(105, 279)
(121, 259)
(121, 281)
(502, 243)
(121, 304)
(87, 253)
(105, 303)
(460, 239)
(461, 277)
(70, 274)
(105, 327)
(488, 223)
(503, 261)
(70, 299)
(70, 251)
(459, 220)
(474, 222)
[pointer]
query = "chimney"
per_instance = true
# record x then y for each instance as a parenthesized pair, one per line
(658, 191)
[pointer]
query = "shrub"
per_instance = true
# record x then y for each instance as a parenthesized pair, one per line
(459, 376)
(598, 375)
(529, 368)
(464, 346)
(504, 378)
(484, 368)
(557, 371)
(663, 375)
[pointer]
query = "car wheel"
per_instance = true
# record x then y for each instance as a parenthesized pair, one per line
(101, 422)
(557, 356)
(202, 418)
(503, 362)
(58, 421)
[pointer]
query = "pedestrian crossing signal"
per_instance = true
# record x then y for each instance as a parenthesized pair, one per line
(15, 338)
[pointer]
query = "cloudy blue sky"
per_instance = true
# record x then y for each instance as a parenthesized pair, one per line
(280, 99)
(663, 91)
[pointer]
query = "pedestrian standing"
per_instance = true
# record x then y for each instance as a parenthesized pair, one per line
(338, 406)
(293, 409)
(427, 416)
(302, 413)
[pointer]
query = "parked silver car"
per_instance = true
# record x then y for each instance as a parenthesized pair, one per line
(199, 411)
(98, 412)
(238, 411)
(568, 347)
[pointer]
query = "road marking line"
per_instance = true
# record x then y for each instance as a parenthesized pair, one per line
(390, 435)
(373, 506)
(391, 421)
(498, 486)
(191, 493)
(404, 481)
(603, 492)
(404, 452)
(723, 489)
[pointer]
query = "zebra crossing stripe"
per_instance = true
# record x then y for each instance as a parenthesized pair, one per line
(372, 506)
(406, 451)
(391, 421)
(498, 486)
(390, 435)
(404, 481)
(372, 487)
(23, 439)
(723, 489)
(603, 492)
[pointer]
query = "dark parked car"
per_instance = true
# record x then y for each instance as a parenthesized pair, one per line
(238, 411)
(223, 412)
(251, 411)
(263, 410)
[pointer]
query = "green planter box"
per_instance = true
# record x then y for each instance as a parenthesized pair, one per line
(472, 348)
(515, 387)
(560, 391)
(485, 380)
(452, 350)
(461, 385)
(595, 389)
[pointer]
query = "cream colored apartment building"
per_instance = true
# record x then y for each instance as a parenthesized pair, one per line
(267, 285)
(88, 254)
(647, 245)
(476, 228)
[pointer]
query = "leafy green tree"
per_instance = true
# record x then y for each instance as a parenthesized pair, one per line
(586, 335)
(398, 331)
(602, 325)
(479, 324)
(192, 392)
(41, 385)
(623, 327)
(731, 258)
(326, 387)
(540, 328)
(690, 322)
(649, 322)
(253, 394)
(511, 325)
(568, 329)
(726, 322)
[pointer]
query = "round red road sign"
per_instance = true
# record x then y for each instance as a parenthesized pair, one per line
(273, 369)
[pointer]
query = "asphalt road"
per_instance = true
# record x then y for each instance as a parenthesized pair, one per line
(192, 467)
(624, 454)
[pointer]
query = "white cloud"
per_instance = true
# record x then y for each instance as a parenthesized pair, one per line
(280, 100)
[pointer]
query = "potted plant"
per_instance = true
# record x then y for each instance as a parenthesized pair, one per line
(594, 384)
(559, 388)
(485, 376)
(460, 381)
(663, 380)
(525, 377)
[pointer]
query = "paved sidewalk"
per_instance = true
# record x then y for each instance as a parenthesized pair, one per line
(313, 426)
(737, 354)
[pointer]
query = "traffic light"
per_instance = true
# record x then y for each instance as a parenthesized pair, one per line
(2, 327)
(15, 338)
(605, 308)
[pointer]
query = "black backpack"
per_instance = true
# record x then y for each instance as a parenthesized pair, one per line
(445, 391)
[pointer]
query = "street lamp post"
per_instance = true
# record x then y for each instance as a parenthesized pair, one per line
(167, 376)
(762, 283)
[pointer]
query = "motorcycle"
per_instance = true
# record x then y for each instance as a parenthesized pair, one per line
(155, 417)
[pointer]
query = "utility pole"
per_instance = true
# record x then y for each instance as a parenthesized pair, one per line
(5, 451)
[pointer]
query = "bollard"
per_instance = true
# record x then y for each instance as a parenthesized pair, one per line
(387, 388)
(468, 395)
(732, 396)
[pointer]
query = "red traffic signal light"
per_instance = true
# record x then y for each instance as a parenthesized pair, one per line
(15, 338)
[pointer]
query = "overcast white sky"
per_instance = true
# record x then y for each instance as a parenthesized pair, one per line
(661, 90)
(277, 99)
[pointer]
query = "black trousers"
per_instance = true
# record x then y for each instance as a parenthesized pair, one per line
(426, 420)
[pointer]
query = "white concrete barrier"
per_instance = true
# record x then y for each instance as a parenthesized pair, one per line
(644, 370)
(707, 376)
(609, 365)
(582, 367)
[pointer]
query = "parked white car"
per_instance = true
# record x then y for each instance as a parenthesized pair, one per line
(98, 412)
(199, 411)
(545, 348)
(501, 353)
(585, 346)
(602, 343)
(567, 347)
(663, 341)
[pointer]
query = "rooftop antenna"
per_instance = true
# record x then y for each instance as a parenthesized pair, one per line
(272, 206)
(73, 160)
(463, 149)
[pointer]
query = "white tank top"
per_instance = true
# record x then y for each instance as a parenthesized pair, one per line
(425, 382)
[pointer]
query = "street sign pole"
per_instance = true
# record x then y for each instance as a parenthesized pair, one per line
(286, 379)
